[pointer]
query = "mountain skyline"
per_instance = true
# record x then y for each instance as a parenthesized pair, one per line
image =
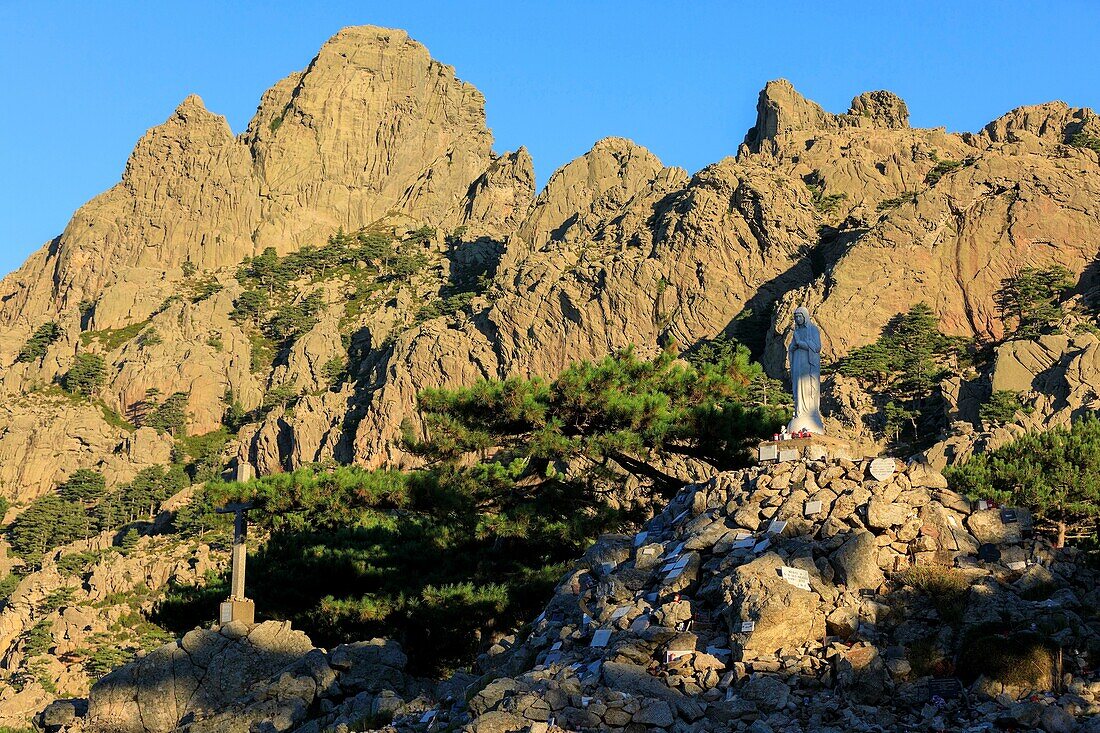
(555, 92)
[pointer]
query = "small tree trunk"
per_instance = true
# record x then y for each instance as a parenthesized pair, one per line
(1061, 541)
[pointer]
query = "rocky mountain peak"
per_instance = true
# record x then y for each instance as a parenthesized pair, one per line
(1052, 122)
(780, 108)
(882, 108)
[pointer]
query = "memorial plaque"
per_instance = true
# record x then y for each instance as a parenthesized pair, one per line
(761, 546)
(648, 550)
(811, 508)
(945, 689)
(428, 716)
(795, 576)
(1009, 516)
(620, 612)
(989, 553)
(788, 454)
(746, 627)
(639, 625)
(639, 540)
(982, 505)
(680, 516)
(601, 637)
(744, 543)
(768, 453)
(677, 550)
(1017, 565)
(777, 526)
(883, 468)
(586, 620)
(672, 655)
(683, 561)
(674, 574)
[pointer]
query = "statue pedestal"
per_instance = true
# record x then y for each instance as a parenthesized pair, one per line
(814, 448)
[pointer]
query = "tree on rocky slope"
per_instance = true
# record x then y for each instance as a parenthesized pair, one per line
(39, 342)
(1055, 474)
(622, 410)
(86, 375)
(1030, 299)
(903, 369)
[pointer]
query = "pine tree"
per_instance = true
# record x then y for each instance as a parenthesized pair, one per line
(86, 375)
(1031, 298)
(1055, 474)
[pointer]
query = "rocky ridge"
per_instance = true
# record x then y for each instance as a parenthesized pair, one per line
(828, 210)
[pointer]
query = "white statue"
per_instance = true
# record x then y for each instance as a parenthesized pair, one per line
(804, 355)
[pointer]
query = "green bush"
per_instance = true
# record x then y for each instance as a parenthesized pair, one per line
(48, 522)
(1002, 407)
(903, 369)
(941, 169)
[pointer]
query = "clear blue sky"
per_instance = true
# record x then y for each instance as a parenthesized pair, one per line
(85, 80)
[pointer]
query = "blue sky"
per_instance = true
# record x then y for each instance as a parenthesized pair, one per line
(85, 80)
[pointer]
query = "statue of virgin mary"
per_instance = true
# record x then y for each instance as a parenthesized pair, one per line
(804, 354)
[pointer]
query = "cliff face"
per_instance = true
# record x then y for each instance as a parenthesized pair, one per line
(857, 215)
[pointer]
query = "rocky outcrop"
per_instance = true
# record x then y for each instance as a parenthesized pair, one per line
(235, 677)
(81, 605)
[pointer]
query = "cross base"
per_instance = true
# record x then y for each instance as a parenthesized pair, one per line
(237, 610)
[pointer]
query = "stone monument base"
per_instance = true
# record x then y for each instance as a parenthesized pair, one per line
(814, 448)
(237, 610)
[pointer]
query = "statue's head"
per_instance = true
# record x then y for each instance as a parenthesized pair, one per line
(801, 317)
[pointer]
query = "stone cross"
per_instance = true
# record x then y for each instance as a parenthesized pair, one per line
(237, 607)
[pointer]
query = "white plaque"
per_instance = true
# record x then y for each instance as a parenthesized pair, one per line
(620, 612)
(811, 508)
(788, 454)
(883, 468)
(601, 637)
(777, 526)
(744, 543)
(747, 627)
(1017, 565)
(796, 577)
(768, 452)
(671, 655)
